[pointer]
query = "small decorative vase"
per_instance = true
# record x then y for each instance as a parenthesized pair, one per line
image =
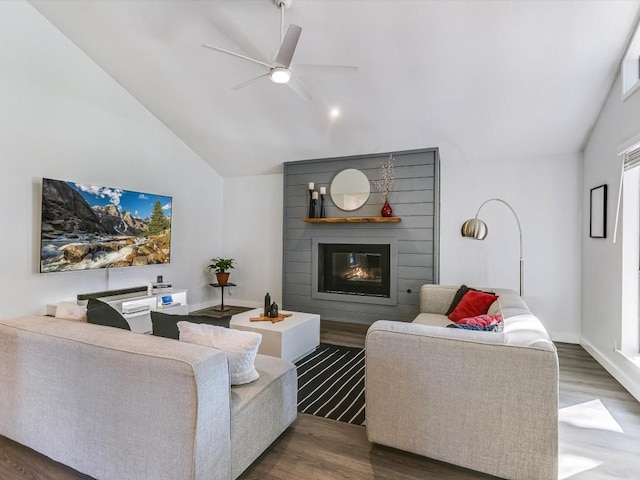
(386, 211)
(267, 305)
(222, 278)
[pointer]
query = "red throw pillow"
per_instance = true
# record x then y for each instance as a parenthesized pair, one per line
(472, 304)
(481, 320)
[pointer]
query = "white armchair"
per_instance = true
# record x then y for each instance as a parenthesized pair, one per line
(482, 400)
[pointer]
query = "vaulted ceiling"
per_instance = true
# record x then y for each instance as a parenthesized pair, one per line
(487, 78)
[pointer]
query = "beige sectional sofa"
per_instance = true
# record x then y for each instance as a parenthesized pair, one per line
(487, 401)
(118, 405)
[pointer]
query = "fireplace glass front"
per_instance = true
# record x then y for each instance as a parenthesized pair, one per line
(354, 269)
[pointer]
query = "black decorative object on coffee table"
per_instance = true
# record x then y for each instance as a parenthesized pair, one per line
(273, 310)
(267, 305)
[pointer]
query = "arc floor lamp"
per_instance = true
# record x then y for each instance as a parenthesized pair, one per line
(477, 229)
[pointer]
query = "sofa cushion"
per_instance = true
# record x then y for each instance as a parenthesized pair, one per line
(101, 313)
(166, 325)
(240, 347)
(436, 298)
(495, 308)
(433, 319)
(473, 303)
(509, 304)
(262, 410)
(527, 330)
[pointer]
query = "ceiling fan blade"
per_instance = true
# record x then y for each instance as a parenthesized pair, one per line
(249, 82)
(297, 86)
(288, 47)
(236, 54)
(323, 69)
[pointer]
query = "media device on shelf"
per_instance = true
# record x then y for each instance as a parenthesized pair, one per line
(88, 226)
(161, 287)
(167, 300)
(133, 308)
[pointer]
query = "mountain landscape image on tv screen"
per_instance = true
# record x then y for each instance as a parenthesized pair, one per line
(88, 226)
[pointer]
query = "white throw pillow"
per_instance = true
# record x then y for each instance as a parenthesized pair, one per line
(71, 311)
(240, 347)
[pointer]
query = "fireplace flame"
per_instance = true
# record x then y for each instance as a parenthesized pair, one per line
(359, 273)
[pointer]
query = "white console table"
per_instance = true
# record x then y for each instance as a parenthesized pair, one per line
(141, 305)
(140, 321)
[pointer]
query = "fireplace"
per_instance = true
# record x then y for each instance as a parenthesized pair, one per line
(355, 270)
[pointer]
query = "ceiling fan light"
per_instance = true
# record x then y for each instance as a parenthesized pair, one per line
(280, 75)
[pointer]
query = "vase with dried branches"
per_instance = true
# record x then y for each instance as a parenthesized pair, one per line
(385, 185)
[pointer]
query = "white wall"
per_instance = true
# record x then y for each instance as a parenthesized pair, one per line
(253, 236)
(544, 191)
(62, 117)
(601, 258)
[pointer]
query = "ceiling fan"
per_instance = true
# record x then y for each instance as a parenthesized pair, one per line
(280, 70)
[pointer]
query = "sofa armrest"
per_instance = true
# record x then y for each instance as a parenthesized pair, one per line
(443, 392)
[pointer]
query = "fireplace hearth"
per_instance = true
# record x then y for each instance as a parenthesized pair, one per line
(359, 270)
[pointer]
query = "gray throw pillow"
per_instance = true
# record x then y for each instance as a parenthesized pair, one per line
(100, 313)
(456, 299)
(165, 325)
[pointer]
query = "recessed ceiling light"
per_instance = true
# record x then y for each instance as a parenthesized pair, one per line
(335, 112)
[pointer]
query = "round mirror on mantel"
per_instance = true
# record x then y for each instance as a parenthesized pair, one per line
(350, 189)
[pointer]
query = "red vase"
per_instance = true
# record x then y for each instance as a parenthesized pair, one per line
(386, 211)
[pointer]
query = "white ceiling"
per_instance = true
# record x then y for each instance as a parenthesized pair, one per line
(488, 78)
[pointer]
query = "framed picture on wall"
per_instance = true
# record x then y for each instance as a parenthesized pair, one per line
(598, 212)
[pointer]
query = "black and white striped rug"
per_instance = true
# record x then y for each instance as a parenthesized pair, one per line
(331, 383)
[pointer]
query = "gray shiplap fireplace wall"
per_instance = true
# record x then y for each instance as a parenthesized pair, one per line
(415, 199)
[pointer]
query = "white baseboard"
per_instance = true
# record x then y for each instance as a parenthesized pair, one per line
(631, 384)
(564, 337)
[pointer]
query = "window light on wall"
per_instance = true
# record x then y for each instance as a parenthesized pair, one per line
(630, 155)
(628, 343)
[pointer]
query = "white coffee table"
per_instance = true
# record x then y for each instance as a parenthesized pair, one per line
(291, 339)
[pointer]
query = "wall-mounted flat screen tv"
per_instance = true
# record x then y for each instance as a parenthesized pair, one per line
(88, 226)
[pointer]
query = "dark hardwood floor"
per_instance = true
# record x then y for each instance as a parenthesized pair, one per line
(599, 436)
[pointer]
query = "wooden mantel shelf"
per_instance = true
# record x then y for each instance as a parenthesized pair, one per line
(353, 220)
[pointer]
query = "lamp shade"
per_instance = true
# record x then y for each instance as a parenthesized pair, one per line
(474, 228)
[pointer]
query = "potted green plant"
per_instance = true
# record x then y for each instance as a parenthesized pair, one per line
(220, 267)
